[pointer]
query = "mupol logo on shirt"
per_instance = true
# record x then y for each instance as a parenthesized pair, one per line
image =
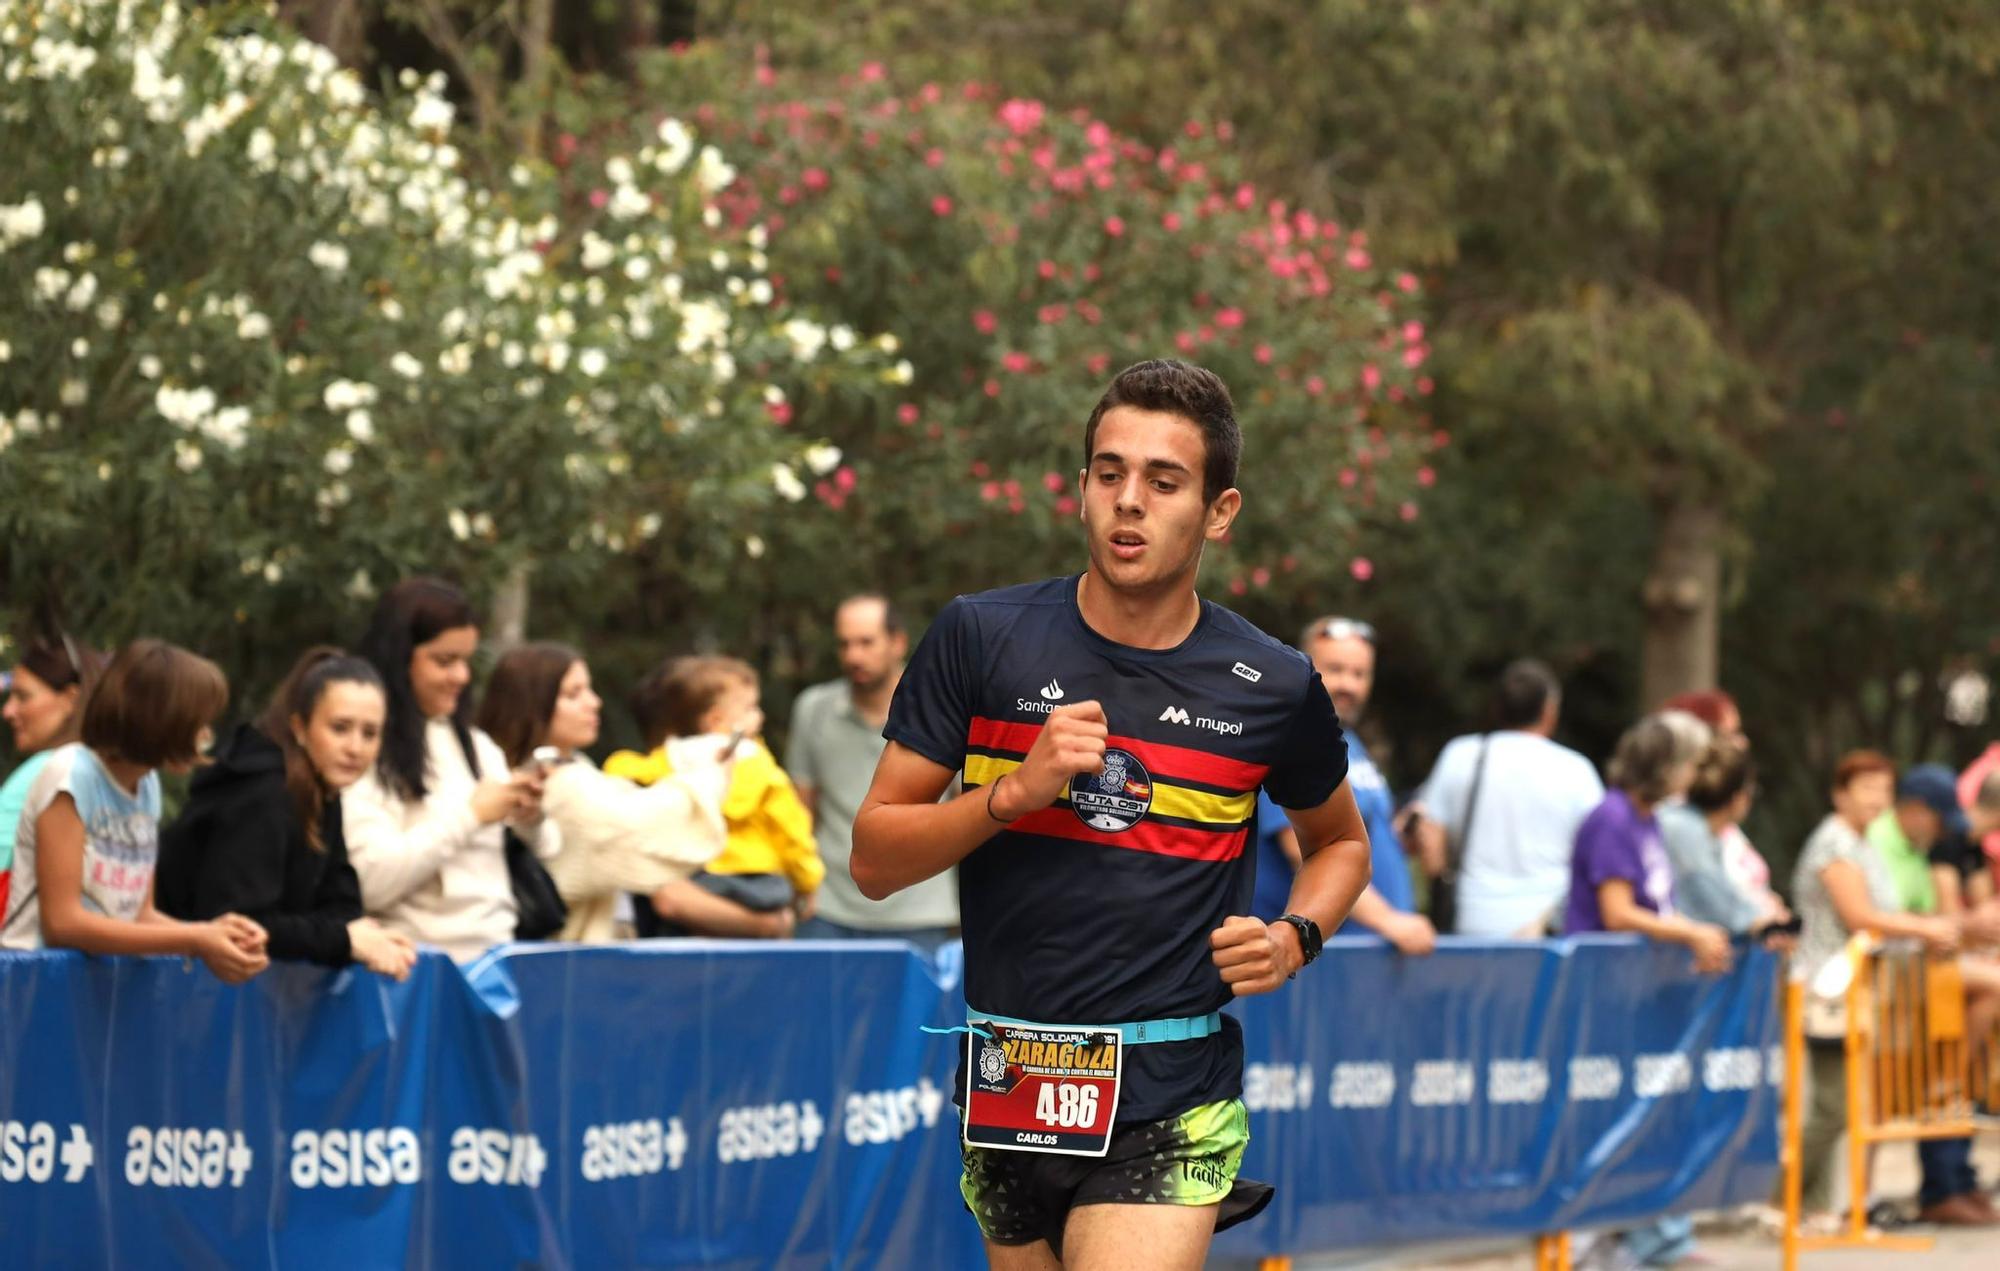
(1115, 799)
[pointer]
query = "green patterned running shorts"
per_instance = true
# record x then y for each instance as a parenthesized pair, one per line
(1191, 1159)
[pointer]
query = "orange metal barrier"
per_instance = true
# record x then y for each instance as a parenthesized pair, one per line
(1909, 1077)
(1552, 1252)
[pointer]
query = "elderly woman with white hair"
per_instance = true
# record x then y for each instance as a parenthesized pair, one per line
(1620, 876)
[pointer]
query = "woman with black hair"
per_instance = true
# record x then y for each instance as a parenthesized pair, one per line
(45, 693)
(426, 828)
(262, 833)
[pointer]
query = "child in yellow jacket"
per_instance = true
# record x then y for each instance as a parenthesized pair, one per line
(769, 861)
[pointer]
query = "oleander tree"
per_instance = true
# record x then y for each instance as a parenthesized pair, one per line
(269, 343)
(1024, 254)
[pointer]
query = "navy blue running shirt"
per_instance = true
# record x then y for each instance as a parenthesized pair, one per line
(1098, 909)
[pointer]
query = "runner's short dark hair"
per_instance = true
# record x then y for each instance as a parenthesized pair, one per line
(1174, 387)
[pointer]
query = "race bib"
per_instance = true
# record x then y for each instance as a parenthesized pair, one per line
(1040, 1088)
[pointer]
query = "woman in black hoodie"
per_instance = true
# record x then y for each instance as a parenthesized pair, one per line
(261, 832)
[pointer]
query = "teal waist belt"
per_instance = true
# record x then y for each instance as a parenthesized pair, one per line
(1184, 1029)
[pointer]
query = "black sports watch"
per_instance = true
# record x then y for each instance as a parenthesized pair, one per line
(1310, 940)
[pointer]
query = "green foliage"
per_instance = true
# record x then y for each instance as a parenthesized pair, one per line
(269, 348)
(1024, 255)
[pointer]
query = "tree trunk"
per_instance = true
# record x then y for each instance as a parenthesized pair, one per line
(341, 25)
(1683, 601)
(510, 609)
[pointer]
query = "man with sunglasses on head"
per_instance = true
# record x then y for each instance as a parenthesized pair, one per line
(1342, 651)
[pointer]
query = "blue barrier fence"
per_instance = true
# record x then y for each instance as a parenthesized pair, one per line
(759, 1105)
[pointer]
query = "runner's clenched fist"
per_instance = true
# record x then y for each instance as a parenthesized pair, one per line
(1071, 741)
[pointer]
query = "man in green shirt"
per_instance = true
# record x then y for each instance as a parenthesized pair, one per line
(1926, 810)
(836, 740)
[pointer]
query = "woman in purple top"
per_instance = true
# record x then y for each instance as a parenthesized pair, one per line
(1621, 879)
(1620, 876)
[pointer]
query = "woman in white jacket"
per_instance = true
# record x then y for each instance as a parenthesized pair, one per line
(616, 836)
(426, 828)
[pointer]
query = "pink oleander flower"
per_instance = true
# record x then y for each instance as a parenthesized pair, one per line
(1021, 116)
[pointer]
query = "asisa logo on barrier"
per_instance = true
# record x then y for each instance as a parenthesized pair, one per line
(767, 1131)
(378, 1157)
(633, 1149)
(885, 1116)
(495, 1157)
(191, 1156)
(33, 1152)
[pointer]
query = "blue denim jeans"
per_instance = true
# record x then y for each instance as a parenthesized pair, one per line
(1660, 1243)
(1947, 1170)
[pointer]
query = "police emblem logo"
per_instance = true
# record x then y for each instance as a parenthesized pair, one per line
(1115, 799)
(992, 1063)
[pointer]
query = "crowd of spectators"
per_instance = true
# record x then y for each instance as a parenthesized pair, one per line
(1515, 836)
(369, 809)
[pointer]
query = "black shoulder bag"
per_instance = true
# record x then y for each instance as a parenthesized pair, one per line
(1444, 890)
(539, 911)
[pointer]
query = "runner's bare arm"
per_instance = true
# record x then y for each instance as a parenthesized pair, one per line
(903, 835)
(1256, 957)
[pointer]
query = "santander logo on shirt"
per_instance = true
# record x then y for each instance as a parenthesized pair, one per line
(1052, 693)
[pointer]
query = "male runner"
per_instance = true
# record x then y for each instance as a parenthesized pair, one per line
(1114, 729)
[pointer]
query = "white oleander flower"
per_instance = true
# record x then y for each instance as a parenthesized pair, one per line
(345, 395)
(21, 221)
(597, 251)
(807, 338)
(331, 257)
(822, 459)
(677, 146)
(787, 483)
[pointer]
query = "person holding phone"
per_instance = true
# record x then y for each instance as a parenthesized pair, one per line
(770, 865)
(617, 837)
(426, 826)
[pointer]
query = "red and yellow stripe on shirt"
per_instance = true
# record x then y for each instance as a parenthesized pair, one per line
(1201, 805)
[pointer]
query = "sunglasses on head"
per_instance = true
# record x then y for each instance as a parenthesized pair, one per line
(1346, 629)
